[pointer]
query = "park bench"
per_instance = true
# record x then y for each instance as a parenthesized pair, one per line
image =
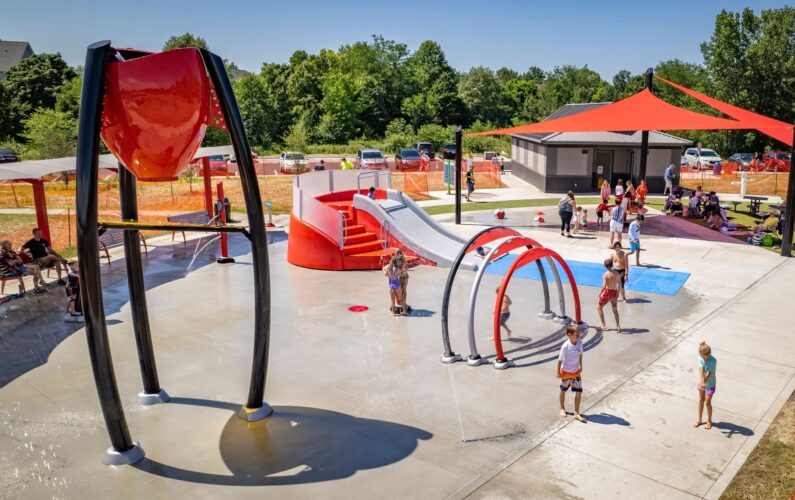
(113, 238)
(755, 203)
(199, 217)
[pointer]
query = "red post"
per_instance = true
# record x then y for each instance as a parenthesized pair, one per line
(222, 217)
(41, 208)
(208, 187)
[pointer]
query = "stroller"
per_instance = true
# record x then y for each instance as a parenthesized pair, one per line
(673, 204)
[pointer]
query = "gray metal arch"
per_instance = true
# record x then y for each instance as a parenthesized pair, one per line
(475, 358)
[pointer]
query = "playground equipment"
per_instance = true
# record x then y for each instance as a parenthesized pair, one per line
(152, 110)
(512, 240)
(499, 213)
(334, 225)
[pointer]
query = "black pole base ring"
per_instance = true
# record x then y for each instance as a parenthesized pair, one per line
(476, 360)
(452, 357)
(224, 260)
(502, 364)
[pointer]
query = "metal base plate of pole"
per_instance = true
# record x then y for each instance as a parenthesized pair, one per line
(452, 358)
(146, 399)
(476, 360)
(547, 315)
(225, 260)
(582, 326)
(254, 414)
(502, 365)
(127, 457)
(563, 320)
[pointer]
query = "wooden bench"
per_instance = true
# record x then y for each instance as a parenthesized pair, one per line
(113, 238)
(199, 217)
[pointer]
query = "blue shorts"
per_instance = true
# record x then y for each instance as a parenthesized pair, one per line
(634, 245)
(504, 317)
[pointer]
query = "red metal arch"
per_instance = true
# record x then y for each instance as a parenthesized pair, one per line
(492, 234)
(525, 258)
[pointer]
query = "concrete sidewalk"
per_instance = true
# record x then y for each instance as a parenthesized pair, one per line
(640, 440)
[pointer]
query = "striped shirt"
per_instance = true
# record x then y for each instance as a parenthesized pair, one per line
(618, 213)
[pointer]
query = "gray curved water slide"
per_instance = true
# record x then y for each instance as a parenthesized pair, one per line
(403, 219)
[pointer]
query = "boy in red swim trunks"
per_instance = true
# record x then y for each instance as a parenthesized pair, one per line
(609, 293)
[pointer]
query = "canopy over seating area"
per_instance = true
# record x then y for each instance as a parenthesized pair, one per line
(33, 171)
(645, 112)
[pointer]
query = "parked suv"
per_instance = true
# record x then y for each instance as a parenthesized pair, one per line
(702, 160)
(425, 147)
(448, 151)
(777, 161)
(407, 158)
(370, 159)
(292, 162)
(8, 156)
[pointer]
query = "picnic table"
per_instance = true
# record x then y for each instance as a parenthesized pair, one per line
(755, 203)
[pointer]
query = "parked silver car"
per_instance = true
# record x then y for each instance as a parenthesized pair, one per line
(292, 162)
(370, 159)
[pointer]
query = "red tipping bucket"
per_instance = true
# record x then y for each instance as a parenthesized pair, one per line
(156, 111)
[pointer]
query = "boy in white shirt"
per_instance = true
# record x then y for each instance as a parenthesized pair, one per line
(568, 370)
(634, 238)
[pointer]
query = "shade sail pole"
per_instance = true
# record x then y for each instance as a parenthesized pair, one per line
(458, 136)
(789, 212)
(644, 136)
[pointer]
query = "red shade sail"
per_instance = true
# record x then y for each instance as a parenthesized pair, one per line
(781, 131)
(642, 111)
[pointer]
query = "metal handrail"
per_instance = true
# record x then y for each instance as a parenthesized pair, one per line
(341, 225)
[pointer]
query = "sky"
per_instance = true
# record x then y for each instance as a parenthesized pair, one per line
(606, 35)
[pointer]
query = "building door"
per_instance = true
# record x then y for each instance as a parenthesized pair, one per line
(603, 169)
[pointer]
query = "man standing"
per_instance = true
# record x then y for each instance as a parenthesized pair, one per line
(346, 165)
(669, 179)
(634, 238)
(43, 255)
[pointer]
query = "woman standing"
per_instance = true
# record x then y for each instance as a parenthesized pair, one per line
(605, 192)
(566, 208)
(470, 176)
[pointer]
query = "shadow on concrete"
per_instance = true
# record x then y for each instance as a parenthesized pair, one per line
(606, 419)
(34, 326)
(422, 313)
(633, 331)
(297, 445)
(638, 301)
(548, 345)
(654, 266)
(729, 429)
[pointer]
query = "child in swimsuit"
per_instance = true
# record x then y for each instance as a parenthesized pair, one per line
(609, 293)
(392, 272)
(505, 312)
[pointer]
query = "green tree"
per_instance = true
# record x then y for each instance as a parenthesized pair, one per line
(297, 138)
(68, 99)
(253, 100)
(10, 126)
(399, 134)
(50, 134)
(341, 108)
(35, 82)
(431, 88)
(185, 41)
(569, 84)
(484, 97)
(626, 84)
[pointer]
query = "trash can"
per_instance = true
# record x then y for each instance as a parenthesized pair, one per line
(716, 168)
(227, 209)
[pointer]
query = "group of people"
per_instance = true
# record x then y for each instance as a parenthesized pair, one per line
(34, 256)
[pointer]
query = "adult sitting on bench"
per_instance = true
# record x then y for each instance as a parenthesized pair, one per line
(42, 254)
(12, 268)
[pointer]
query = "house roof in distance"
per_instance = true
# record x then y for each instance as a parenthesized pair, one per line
(11, 53)
(631, 138)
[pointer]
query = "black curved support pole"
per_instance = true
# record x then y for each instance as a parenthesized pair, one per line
(255, 406)
(545, 286)
(135, 284)
(789, 211)
(90, 284)
(644, 135)
(458, 137)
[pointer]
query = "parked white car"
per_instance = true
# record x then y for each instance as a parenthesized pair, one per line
(703, 160)
(292, 162)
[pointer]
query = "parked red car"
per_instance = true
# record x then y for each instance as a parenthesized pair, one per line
(407, 158)
(777, 161)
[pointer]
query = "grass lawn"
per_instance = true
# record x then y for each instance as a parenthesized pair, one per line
(10, 223)
(491, 205)
(769, 471)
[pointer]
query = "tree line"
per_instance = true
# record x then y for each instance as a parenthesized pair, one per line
(379, 93)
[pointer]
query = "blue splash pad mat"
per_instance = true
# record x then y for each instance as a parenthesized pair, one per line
(641, 279)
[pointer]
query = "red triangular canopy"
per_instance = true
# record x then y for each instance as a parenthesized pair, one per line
(642, 111)
(776, 129)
